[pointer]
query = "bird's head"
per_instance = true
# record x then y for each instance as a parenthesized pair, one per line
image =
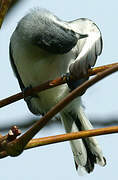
(40, 27)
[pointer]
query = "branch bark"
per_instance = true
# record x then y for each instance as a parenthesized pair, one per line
(64, 137)
(70, 136)
(50, 84)
(4, 6)
(17, 146)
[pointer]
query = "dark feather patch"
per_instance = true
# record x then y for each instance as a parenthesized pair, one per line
(55, 39)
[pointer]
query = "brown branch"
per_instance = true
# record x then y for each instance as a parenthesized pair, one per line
(4, 6)
(12, 134)
(96, 70)
(16, 147)
(49, 84)
(65, 137)
(70, 136)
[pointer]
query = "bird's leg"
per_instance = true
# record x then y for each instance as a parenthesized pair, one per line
(74, 83)
(25, 90)
(27, 97)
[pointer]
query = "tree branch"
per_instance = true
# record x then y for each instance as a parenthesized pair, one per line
(64, 137)
(50, 84)
(71, 136)
(4, 6)
(17, 146)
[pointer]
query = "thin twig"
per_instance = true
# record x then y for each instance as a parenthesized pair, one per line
(70, 136)
(49, 84)
(16, 147)
(65, 137)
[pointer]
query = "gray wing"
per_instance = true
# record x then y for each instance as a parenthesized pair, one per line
(87, 49)
(28, 100)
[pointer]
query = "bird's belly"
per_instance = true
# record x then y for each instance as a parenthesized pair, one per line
(39, 71)
(49, 98)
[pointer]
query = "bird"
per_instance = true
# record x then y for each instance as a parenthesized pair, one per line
(44, 47)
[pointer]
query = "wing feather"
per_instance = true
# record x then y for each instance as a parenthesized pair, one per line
(87, 49)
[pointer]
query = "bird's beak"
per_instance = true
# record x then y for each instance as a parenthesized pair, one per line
(81, 36)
